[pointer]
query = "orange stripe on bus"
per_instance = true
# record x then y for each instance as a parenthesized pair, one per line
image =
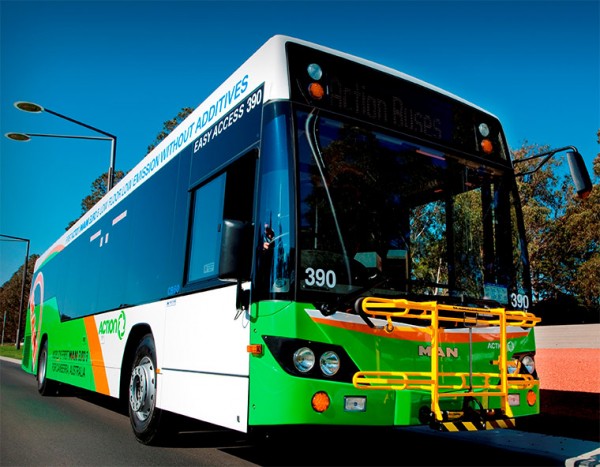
(419, 334)
(97, 359)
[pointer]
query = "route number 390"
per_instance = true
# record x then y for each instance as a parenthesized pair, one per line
(519, 301)
(320, 278)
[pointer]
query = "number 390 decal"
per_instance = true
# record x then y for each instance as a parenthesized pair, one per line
(320, 278)
(519, 301)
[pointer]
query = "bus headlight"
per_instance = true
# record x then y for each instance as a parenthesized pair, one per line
(304, 359)
(521, 364)
(311, 359)
(529, 363)
(513, 366)
(330, 363)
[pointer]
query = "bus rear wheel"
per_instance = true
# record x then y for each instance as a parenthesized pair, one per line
(45, 386)
(145, 417)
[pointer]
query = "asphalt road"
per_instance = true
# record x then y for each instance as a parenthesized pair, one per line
(80, 428)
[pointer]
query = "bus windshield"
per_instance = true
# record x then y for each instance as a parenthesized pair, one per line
(392, 217)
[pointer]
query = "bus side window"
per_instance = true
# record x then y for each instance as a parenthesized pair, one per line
(228, 196)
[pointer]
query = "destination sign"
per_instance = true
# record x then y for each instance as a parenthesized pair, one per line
(389, 101)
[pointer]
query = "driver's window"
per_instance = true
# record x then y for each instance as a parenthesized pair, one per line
(228, 196)
(205, 236)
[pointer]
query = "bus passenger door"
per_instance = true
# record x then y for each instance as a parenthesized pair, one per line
(205, 370)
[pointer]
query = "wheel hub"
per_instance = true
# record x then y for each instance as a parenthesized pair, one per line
(142, 389)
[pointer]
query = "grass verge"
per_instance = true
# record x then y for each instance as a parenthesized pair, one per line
(10, 350)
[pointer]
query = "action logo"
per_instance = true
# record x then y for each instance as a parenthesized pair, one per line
(114, 326)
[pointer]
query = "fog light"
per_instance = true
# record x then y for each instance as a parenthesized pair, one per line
(320, 402)
(355, 404)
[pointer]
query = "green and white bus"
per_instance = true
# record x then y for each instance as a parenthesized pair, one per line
(324, 241)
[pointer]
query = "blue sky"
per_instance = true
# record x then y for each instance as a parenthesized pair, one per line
(125, 67)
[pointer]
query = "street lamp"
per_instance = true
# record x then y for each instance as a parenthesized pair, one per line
(23, 137)
(35, 108)
(18, 239)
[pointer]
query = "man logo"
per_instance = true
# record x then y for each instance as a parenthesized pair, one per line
(442, 352)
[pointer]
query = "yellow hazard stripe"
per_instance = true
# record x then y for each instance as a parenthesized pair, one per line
(470, 426)
(500, 423)
(460, 426)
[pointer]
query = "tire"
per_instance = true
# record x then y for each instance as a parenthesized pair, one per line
(145, 417)
(45, 386)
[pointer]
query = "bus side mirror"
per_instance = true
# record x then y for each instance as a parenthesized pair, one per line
(236, 250)
(579, 174)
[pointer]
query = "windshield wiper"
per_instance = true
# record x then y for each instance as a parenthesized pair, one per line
(352, 301)
(313, 142)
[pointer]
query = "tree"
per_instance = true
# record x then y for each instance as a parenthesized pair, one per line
(169, 126)
(10, 300)
(99, 188)
(563, 233)
(541, 202)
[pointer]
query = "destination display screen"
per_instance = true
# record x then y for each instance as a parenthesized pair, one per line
(389, 101)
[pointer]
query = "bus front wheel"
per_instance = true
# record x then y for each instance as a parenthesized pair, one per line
(45, 386)
(144, 415)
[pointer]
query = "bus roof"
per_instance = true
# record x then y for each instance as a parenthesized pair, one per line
(267, 67)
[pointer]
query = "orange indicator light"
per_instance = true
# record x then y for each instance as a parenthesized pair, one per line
(487, 146)
(531, 398)
(255, 349)
(316, 91)
(320, 402)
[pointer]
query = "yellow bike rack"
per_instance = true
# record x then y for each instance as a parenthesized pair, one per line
(463, 384)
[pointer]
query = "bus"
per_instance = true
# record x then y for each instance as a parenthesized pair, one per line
(323, 242)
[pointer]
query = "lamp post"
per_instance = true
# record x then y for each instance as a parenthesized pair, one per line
(35, 108)
(18, 239)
